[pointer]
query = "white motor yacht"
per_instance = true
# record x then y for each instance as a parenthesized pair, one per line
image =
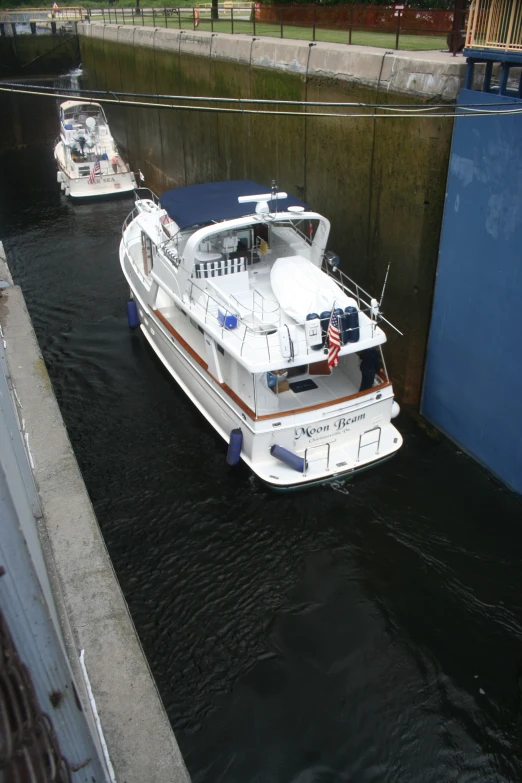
(233, 288)
(89, 164)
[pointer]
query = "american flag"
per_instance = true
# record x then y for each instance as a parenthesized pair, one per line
(334, 341)
(96, 169)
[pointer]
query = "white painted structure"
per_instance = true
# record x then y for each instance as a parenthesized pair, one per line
(224, 301)
(85, 144)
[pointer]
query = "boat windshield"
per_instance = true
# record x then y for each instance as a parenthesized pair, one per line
(256, 243)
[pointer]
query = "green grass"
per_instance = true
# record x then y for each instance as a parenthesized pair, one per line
(123, 15)
(360, 37)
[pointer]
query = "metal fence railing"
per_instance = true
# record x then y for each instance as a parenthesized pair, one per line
(495, 24)
(27, 15)
(396, 27)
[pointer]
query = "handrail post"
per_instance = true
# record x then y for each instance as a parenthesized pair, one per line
(194, 18)
(399, 14)
(351, 25)
(510, 28)
(281, 20)
(166, 25)
(153, 16)
(232, 18)
(315, 12)
(488, 28)
(254, 16)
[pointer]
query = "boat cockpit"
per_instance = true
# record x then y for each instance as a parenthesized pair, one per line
(84, 131)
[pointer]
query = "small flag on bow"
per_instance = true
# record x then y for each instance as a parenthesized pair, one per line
(96, 169)
(334, 341)
(142, 178)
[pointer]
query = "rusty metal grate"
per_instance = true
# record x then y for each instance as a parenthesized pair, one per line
(29, 751)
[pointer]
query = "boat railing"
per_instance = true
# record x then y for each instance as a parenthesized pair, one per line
(316, 447)
(146, 193)
(262, 306)
(218, 309)
(126, 223)
(365, 301)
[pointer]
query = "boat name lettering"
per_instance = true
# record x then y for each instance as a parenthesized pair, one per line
(339, 425)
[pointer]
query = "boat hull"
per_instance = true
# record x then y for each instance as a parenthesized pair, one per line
(337, 441)
(104, 186)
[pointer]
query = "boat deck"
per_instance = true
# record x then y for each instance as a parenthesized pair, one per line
(329, 389)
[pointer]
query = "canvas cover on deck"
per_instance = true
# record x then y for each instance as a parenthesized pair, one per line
(198, 205)
(301, 288)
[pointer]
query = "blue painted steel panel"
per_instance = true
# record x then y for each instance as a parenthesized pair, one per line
(473, 381)
(497, 55)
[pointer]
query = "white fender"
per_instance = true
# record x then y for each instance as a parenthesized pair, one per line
(288, 341)
(395, 409)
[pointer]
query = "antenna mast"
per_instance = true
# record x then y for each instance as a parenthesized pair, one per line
(384, 285)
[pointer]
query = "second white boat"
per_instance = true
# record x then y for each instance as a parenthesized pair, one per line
(88, 160)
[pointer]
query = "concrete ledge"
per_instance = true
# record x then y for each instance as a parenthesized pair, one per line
(235, 48)
(431, 75)
(5, 275)
(125, 35)
(166, 41)
(290, 56)
(111, 32)
(143, 36)
(141, 744)
(198, 44)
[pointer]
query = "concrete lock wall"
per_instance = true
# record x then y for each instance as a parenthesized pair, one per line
(87, 604)
(380, 182)
(473, 384)
(31, 55)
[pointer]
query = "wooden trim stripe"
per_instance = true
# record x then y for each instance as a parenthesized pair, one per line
(239, 402)
(202, 363)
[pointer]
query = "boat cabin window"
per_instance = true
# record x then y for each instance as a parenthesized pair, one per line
(226, 244)
(147, 253)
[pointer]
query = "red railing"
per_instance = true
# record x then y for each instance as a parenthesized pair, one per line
(351, 24)
(361, 17)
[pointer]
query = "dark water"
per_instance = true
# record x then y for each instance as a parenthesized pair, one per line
(363, 632)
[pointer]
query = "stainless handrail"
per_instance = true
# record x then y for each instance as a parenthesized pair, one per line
(356, 294)
(317, 446)
(153, 197)
(244, 329)
(378, 441)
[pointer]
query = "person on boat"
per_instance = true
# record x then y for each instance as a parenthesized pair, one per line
(369, 366)
(115, 163)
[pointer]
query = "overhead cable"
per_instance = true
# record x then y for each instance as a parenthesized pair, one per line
(269, 101)
(392, 112)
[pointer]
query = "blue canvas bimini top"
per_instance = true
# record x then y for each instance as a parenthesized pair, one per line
(198, 205)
